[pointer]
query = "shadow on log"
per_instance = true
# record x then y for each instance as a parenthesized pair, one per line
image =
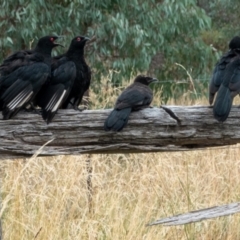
(172, 128)
(199, 215)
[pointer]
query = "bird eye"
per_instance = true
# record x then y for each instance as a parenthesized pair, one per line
(51, 39)
(78, 39)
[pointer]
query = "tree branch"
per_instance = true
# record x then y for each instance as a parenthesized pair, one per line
(199, 215)
(173, 128)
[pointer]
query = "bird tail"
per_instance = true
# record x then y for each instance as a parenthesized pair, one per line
(117, 119)
(223, 104)
(53, 104)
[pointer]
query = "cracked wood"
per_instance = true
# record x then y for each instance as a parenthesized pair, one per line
(171, 128)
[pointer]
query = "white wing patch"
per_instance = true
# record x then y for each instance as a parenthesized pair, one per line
(20, 99)
(51, 102)
(53, 105)
(59, 101)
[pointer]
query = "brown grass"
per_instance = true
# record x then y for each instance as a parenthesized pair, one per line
(48, 198)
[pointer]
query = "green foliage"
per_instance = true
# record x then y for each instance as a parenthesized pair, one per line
(225, 23)
(129, 34)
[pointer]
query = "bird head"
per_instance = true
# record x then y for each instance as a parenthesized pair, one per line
(145, 79)
(79, 41)
(48, 42)
(234, 44)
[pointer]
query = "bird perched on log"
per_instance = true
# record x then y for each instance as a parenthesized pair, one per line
(22, 75)
(218, 72)
(229, 88)
(56, 90)
(69, 80)
(82, 80)
(135, 97)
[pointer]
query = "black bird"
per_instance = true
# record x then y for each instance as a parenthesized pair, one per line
(56, 90)
(218, 72)
(229, 88)
(23, 74)
(82, 80)
(135, 97)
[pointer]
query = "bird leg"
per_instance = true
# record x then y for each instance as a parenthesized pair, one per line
(78, 109)
(32, 109)
(75, 107)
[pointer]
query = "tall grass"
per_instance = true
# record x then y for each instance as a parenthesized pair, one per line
(48, 198)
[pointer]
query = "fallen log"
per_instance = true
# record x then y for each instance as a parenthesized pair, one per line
(169, 128)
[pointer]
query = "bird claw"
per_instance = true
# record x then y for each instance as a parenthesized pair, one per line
(33, 110)
(78, 109)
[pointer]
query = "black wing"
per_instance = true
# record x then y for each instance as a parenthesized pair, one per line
(55, 92)
(229, 88)
(218, 73)
(234, 84)
(135, 96)
(19, 59)
(20, 87)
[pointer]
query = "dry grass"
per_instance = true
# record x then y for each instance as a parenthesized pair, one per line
(48, 198)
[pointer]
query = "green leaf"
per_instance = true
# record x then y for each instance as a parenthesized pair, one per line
(9, 40)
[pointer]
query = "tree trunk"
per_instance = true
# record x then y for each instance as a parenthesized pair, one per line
(171, 128)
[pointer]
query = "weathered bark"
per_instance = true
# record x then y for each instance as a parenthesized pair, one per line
(149, 130)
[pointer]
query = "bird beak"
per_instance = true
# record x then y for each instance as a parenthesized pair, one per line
(153, 80)
(86, 39)
(58, 44)
(93, 39)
